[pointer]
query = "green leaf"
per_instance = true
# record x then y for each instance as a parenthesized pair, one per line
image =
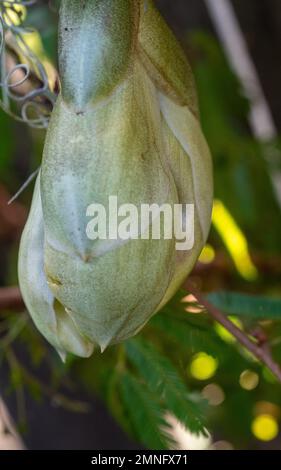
(191, 333)
(146, 415)
(162, 378)
(255, 307)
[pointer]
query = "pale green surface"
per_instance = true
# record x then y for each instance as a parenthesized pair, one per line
(124, 125)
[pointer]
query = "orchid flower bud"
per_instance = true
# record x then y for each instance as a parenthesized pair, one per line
(125, 125)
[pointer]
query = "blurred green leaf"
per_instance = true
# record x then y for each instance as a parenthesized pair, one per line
(190, 334)
(256, 307)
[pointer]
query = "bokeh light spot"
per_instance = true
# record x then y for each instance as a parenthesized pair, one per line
(203, 366)
(267, 408)
(265, 428)
(208, 255)
(249, 380)
(234, 240)
(214, 394)
(221, 445)
(225, 334)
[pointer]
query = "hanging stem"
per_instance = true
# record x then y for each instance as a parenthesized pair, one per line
(260, 351)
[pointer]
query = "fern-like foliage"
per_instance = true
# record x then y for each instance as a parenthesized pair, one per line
(145, 413)
(192, 334)
(162, 377)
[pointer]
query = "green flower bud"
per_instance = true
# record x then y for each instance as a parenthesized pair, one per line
(125, 124)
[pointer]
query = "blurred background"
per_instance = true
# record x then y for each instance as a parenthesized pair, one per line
(234, 49)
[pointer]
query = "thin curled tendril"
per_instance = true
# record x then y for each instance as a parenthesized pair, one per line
(20, 98)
